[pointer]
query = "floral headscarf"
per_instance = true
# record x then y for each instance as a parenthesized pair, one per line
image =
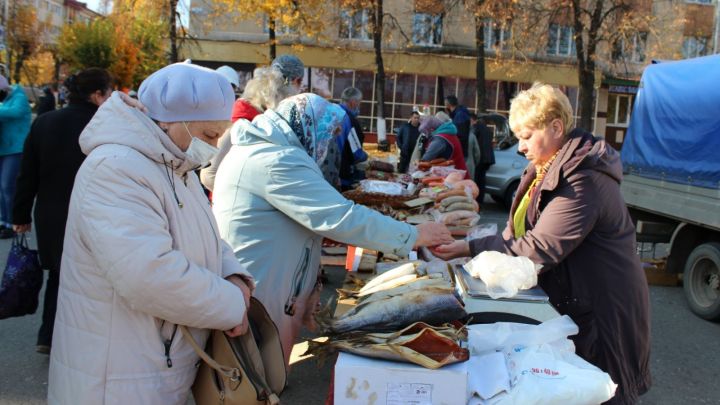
(314, 121)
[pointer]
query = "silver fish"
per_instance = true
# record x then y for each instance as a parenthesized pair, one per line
(431, 305)
(402, 270)
(417, 284)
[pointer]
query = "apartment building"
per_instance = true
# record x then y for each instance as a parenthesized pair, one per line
(429, 53)
(55, 13)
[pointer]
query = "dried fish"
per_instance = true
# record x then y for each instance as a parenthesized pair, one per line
(422, 344)
(402, 270)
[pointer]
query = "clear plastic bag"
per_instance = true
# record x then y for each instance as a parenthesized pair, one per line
(503, 275)
(482, 231)
(382, 187)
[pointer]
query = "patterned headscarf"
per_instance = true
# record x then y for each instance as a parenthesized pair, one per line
(314, 121)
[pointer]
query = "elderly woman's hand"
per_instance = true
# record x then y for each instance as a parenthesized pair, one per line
(432, 234)
(459, 248)
(245, 288)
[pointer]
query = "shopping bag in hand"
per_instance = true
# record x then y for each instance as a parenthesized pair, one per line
(21, 281)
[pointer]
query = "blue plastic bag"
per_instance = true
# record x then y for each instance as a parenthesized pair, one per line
(21, 281)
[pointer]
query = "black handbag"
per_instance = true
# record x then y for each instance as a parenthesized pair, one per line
(21, 281)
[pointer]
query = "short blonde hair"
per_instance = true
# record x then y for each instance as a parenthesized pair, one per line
(266, 89)
(538, 106)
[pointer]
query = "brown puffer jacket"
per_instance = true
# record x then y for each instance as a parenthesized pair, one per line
(580, 231)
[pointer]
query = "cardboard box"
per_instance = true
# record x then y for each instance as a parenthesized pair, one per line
(361, 380)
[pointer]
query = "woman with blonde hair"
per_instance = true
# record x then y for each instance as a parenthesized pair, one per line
(570, 217)
(265, 90)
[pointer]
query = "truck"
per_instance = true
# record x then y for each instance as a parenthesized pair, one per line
(671, 164)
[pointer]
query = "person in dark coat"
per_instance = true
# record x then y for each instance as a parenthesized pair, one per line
(51, 158)
(570, 217)
(47, 101)
(461, 118)
(487, 154)
(350, 141)
(441, 141)
(407, 139)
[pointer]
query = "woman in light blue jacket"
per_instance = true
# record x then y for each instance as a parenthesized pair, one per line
(274, 207)
(15, 117)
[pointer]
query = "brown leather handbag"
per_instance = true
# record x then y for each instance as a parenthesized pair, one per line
(245, 370)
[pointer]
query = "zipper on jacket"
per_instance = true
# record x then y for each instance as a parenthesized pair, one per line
(298, 280)
(167, 343)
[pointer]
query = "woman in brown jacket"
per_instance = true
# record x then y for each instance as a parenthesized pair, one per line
(569, 216)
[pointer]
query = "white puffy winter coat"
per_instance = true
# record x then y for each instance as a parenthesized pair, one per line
(142, 253)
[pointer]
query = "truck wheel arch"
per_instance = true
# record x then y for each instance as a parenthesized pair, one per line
(684, 240)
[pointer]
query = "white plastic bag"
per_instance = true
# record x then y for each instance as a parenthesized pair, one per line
(482, 231)
(541, 363)
(382, 187)
(503, 275)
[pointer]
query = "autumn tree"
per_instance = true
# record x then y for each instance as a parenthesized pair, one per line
(25, 37)
(164, 12)
(495, 15)
(595, 27)
(306, 18)
(127, 43)
(376, 27)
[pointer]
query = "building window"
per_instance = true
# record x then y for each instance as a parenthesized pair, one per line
(695, 46)
(56, 9)
(497, 35)
(560, 40)
(427, 29)
(619, 108)
(630, 49)
(280, 29)
(353, 25)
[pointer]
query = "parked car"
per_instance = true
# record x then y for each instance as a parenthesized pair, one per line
(502, 179)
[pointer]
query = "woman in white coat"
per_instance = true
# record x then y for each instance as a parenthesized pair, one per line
(274, 207)
(142, 251)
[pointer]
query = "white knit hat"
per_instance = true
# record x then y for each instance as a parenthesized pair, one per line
(187, 92)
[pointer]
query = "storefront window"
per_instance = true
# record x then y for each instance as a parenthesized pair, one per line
(341, 80)
(405, 88)
(466, 93)
(425, 92)
(490, 94)
(619, 109)
(508, 90)
(364, 81)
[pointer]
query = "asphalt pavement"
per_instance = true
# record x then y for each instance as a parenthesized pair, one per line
(685, 359)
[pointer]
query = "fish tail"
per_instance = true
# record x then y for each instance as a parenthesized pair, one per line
(344, 294)
(324, 319)
(353, 279)
(320, 350)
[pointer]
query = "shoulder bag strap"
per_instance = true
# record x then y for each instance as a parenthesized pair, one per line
(230, 372)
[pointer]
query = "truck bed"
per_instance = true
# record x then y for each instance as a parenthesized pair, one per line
(692, 204)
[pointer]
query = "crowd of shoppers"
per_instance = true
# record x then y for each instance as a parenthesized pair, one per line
(134, 248)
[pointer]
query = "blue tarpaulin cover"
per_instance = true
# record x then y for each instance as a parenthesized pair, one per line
(674, 131)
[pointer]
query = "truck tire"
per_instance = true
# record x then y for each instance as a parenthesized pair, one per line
(701, 281)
